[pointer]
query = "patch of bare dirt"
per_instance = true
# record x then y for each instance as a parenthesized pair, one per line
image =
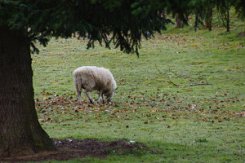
(241, 114)
(72, 148)
(241, 34)
(217, 107)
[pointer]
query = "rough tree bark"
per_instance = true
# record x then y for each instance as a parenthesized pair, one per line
(20, 131)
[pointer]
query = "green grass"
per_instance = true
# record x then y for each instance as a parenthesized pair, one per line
(182, 97)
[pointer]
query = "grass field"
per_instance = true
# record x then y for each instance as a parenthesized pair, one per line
(184, 97)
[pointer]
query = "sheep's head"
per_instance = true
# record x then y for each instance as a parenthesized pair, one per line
(109, 95)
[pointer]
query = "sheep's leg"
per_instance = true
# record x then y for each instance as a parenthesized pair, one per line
(109, 100)
(90, 99)
(100, 99)
(79, 95)
(103, 98)
(78, 89)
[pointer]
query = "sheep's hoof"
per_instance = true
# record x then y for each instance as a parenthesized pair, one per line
(79, 102)
(91, 101)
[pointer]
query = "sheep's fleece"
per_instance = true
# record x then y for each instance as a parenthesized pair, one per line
(90, 78)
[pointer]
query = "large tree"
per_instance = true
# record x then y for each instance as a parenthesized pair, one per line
(122, 23)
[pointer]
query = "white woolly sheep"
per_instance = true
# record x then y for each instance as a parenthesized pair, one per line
(90, 78)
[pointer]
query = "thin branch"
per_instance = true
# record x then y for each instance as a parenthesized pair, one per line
(169, 80)
(198, 84)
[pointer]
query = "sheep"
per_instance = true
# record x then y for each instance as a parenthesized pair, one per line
(90, 78)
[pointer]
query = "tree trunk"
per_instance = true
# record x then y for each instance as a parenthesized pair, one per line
(179, 21)
(196, 22)
(228, 20)
(208, 19)
(20, 131)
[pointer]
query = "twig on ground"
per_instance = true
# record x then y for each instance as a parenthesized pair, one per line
(198, 84)
(169, 80)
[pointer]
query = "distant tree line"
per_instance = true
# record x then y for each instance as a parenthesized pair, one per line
(203, 11)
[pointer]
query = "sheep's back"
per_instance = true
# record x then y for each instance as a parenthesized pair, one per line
(103, 77)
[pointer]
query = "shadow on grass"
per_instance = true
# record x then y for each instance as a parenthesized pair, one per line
(73, 148)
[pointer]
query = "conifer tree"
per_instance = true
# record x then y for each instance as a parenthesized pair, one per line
(122, 23)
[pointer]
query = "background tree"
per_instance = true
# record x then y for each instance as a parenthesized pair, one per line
(203, 11)
(197, 9)
(240, 8)
(122, 23)
(209, 14)
(223, 7)
(180, 10)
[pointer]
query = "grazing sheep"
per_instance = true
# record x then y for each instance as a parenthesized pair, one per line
(91, 78)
